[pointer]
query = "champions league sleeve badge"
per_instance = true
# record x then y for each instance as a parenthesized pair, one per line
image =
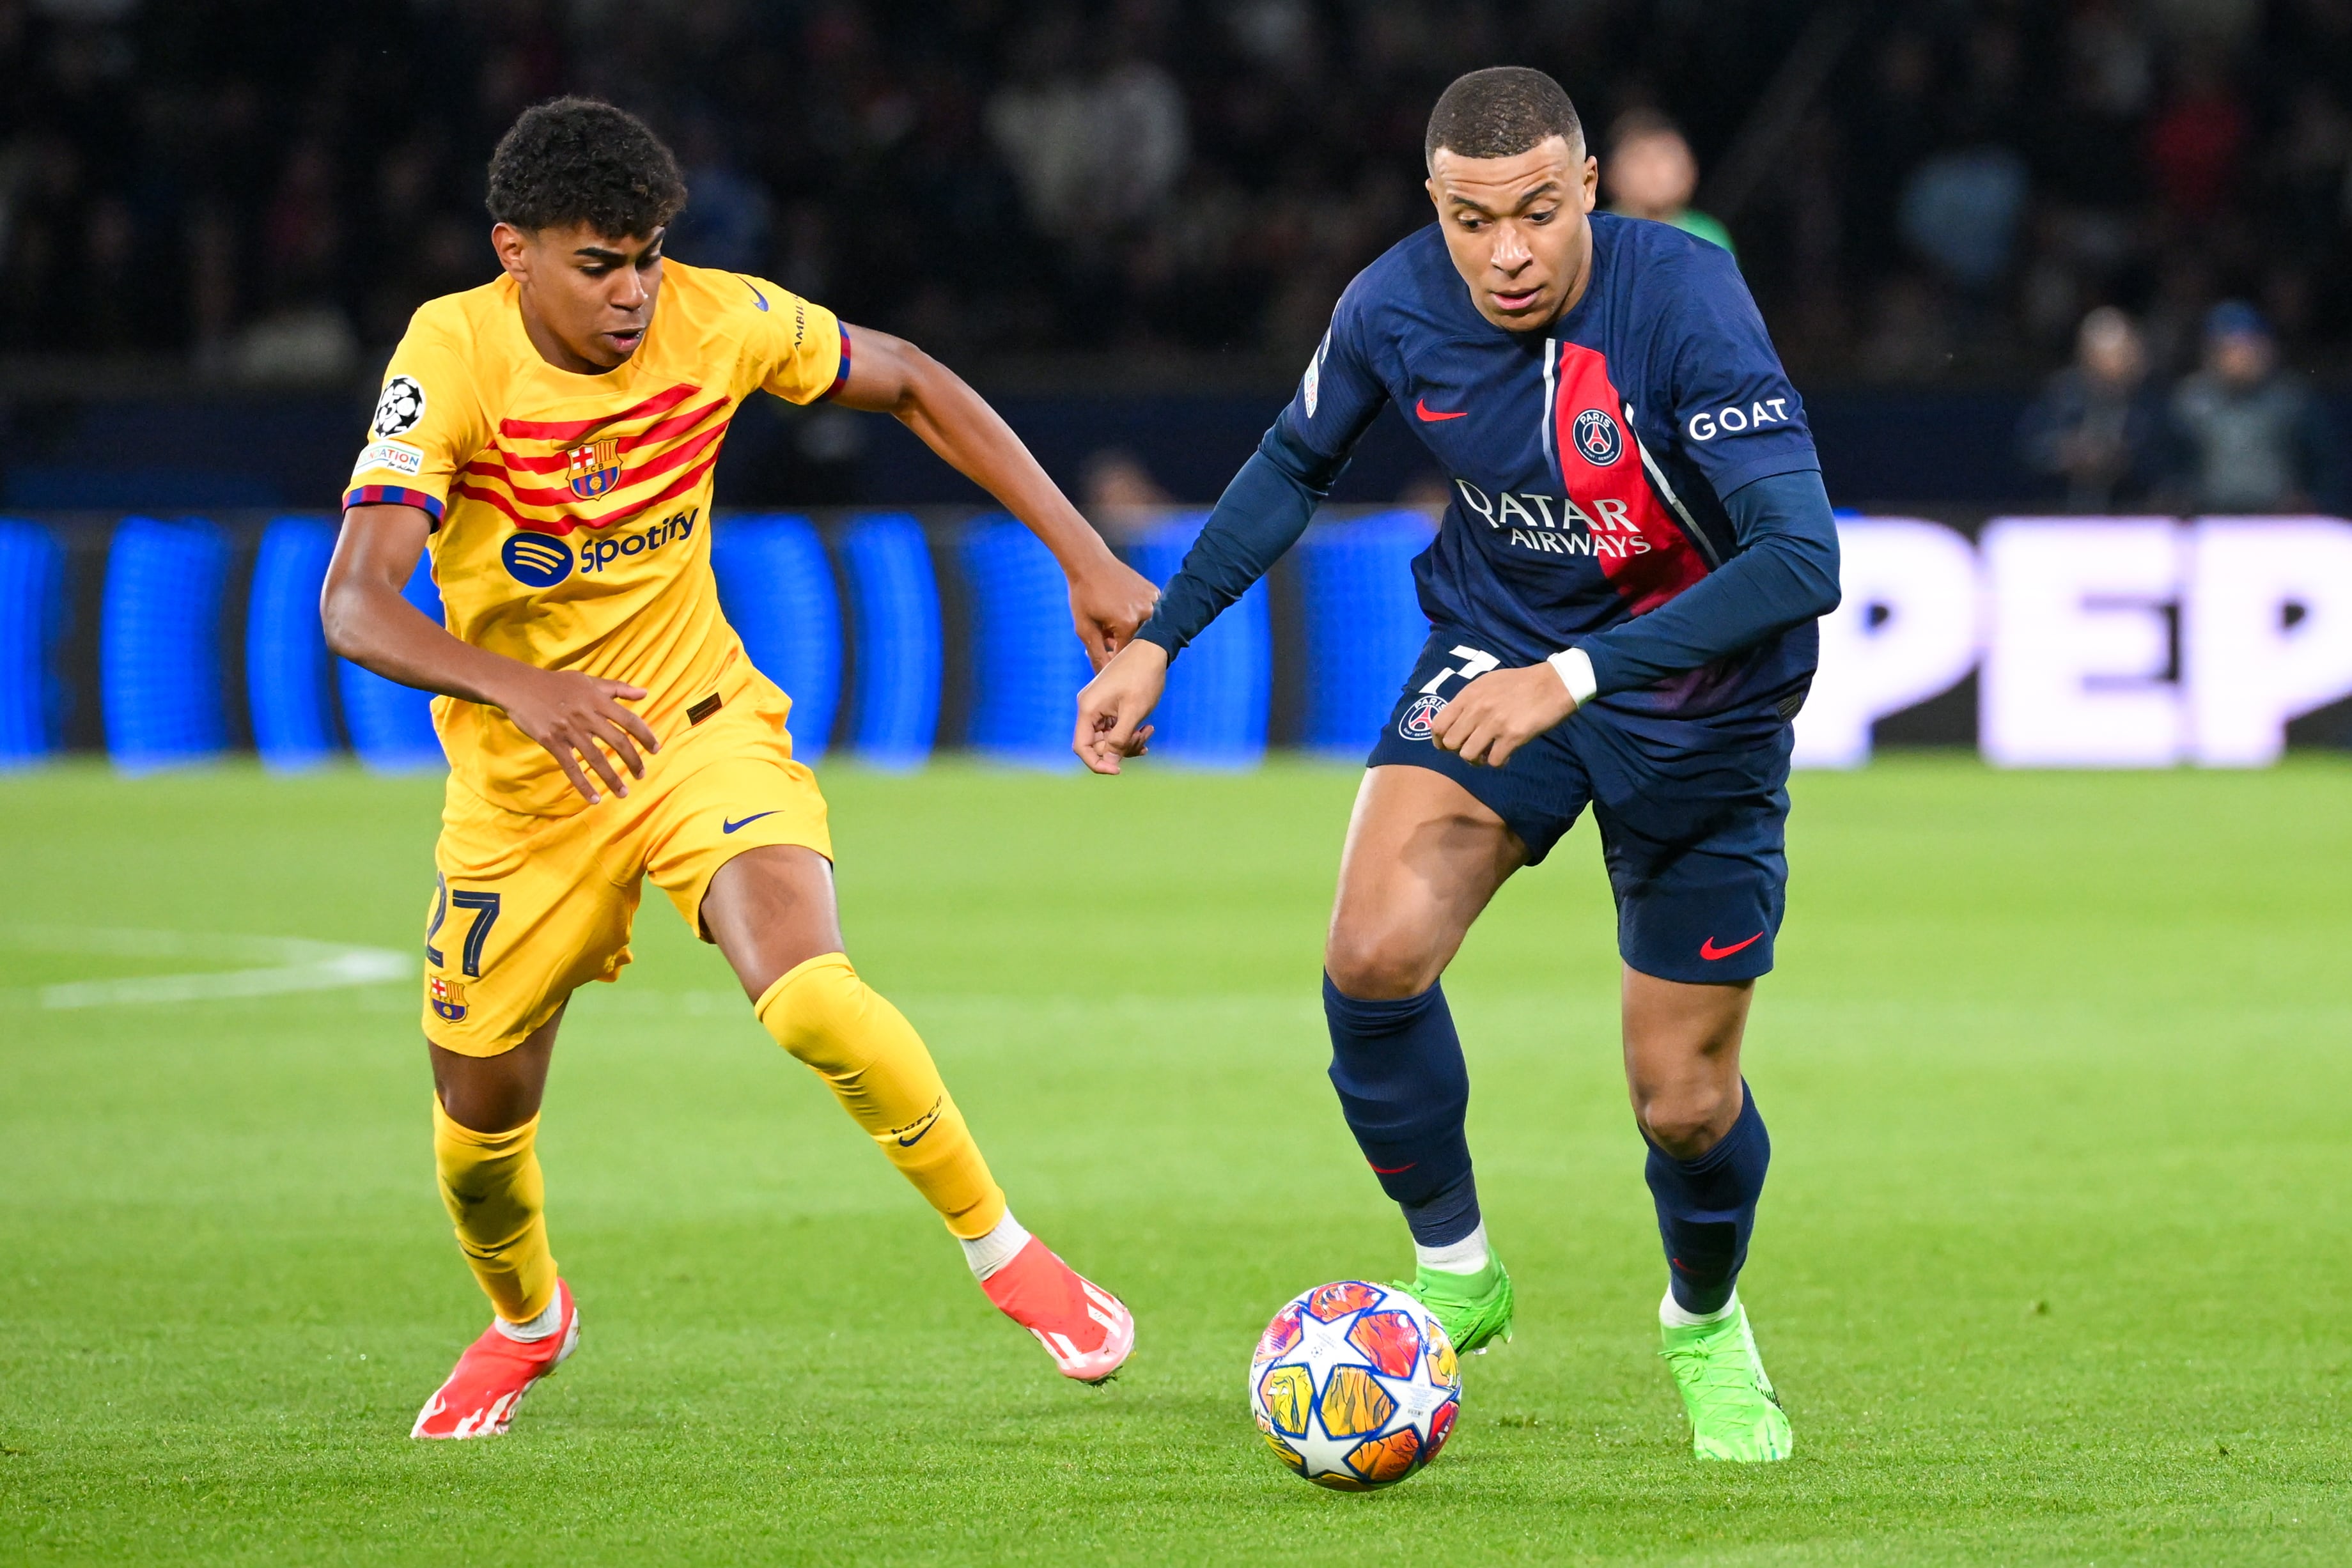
(399, 409)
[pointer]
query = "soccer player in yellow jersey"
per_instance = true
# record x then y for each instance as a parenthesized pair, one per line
(550, 438)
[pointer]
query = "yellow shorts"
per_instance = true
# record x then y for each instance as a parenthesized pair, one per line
(526, 908)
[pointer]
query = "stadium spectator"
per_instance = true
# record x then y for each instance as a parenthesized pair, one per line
(2196, 145)
(1114, 481)
(1158, 179)
(1097, 145)
(1959, 213)
(1649, 173)
(2251, 436)
(2097, 424)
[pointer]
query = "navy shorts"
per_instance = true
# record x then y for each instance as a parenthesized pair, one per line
(1693, 814)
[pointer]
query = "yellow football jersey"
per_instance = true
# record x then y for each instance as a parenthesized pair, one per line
(572, 512)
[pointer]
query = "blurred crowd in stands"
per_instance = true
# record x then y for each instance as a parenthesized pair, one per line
(1918, 190)
(2240, 432)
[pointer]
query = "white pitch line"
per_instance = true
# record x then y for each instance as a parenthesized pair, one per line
(280, 964)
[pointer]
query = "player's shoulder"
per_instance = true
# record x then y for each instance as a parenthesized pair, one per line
(738, 317)
(1410, 290)
(737, 301)
(462, 349)
(464, 322)
(1415, 271)
(1662, 264)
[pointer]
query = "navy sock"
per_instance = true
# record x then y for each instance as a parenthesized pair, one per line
(1405, 1089)
(1446, 1216)
(1707, 1207)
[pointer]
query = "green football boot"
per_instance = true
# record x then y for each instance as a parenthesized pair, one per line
(1734, 1414)
(1475, 1308)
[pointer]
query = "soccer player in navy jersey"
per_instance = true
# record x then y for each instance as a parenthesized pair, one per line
(1622, 596)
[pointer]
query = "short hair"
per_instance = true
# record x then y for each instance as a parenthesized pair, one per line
(581, 161)
(1500, 112)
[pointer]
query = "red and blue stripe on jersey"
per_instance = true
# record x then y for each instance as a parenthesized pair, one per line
(394, 496)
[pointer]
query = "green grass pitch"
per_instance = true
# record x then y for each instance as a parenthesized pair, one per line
(2053, 1267)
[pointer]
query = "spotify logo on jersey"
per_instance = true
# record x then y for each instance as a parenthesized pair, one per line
(535, 560)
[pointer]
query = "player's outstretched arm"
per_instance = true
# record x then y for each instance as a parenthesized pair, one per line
(578, 718)
(1108, 599)
(1259, 517)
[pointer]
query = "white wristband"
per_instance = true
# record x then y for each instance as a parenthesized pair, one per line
(1575, 672)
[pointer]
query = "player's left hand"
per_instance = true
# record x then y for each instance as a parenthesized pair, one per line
(1107, 602)
(1112, 708)
(1500, 711)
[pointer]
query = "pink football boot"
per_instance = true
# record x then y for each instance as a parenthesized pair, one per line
(1084, 1328)
(491, 1379)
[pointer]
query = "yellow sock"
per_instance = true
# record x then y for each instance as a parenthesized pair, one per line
(876, 1063)
(491, 1187)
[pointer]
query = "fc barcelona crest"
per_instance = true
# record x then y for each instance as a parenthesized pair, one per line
(448, 997)
(593, 467)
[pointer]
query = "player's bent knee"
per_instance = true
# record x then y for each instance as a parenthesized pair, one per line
(821, 1012)
(880, 1071)
(1688, 1122)
(863, 1048)
(1379, 966)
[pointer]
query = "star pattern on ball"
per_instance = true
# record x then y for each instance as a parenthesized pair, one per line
(1348, 1406)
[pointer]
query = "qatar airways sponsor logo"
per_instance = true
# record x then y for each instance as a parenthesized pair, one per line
(1734, 420)
(596, 555)
(1557, 525)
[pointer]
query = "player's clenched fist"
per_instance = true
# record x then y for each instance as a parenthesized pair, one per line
(1114, 705)
(570, 714)
(1107, 605)
(1500, 711)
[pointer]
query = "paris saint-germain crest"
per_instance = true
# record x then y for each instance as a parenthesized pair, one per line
(593, 467)
(1597, 437)
(1416, 724)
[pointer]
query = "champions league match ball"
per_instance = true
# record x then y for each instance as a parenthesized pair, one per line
(1355, 1385)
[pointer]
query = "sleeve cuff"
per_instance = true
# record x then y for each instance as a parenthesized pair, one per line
(841, 372)
(394, 496)
(1771, 466)
(1574, 667)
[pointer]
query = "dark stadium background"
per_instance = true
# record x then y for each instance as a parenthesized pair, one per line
(215, 216)
(1127, 222)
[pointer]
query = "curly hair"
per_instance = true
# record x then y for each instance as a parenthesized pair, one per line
(1500, 112)
(580, 160)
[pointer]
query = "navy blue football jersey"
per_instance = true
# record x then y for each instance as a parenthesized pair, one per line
(1587, 461)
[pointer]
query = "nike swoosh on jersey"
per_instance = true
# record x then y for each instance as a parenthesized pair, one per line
(756, 295)
(1711, 952)
(1431, 417)
(728, 827)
